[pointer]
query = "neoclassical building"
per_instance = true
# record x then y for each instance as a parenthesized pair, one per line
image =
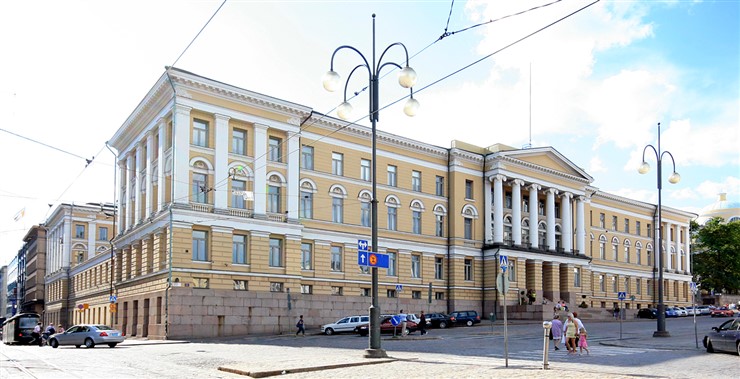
(238, 211)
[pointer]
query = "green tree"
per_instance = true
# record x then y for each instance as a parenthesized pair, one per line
(717, 255)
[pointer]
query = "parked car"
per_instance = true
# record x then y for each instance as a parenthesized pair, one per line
(647, 313)
(88, 335)
(723, 312)
(415, 318)
(681, 311)
(468, 318)
(725, 337)
(704, 310)
(345, 325)
(387, 327)
(670, 312)
(439, 320)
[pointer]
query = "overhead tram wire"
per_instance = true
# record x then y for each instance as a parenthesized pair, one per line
(47, 145)
(200, 31)
(75, 179)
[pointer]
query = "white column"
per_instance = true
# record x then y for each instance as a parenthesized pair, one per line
(550, 214)
(121, 197)
(498, 208)
(488, 209)
(67, 238)
(91, 231)
(534, 227)
(686, 249)
(260, 169)
(677, 246)
(566, 216)
(129, 178)
(580, 225)
(222, 162)
(161, 187)
(516, 207)
(137, 184)
(294, 154)
(667, 241)
(181, 155)
(148, 209)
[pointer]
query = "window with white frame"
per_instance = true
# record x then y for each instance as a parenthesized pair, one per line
(200, 188)
(200, 282)
(649, 286)
(468, 269)
(416, 181)
(439, 185)
(306, 256)
(392, 217)
(392, 264)
(627, 251)
(103, 234)
(200, 245)
(391, 293)
(614, 223)
(337, 291)
(626, 225)
(392, 176)
(307, 157)
(602, 285)
(468, 228)
(79, 231)
(306, 208)
(638, 286)
(239, 142)
(638, 253)
(602, 220)
(336, 258)
(241, 285)
(273, 198)
(650, 256)
(275, 149)
(627, 285)
(511, 270)
(576, 277)
(439, 225)
(602, 247)
(276, 287)
(416, 294)
(415, 266)
(469, 189)
(614, 284)
(306, 289)
(239, 249)
(416, 221)
(237, 190)
(365, 213)
(438, 268)
(365, 170)
(637, 228)
(337, 210)
(615, 247)
(276, 253)
(337, 164)
(200, 133)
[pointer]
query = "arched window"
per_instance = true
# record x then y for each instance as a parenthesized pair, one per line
(615, 247)
(602, 247)
(308, 189)
(541, 234)
(439, 224)
(525, 231)
(337, 194)
(638, 252)
(627, 251)
(558, 237)
(508, 237)
(650, 256)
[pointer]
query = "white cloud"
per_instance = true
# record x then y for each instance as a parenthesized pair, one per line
(710, 189)
(596, 165)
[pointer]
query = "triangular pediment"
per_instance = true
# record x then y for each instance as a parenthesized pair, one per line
(546, 158)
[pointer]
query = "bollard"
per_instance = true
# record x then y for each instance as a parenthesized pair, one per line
(546, 325)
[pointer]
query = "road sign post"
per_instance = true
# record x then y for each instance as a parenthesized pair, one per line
(694, 291)
(503, 261)
(621, 296)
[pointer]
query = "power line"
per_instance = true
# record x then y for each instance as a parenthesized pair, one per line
(47, 145)
(201, 30)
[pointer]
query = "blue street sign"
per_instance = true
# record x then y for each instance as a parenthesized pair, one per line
(399, 287)
(113, 298)
(503, 261)
(362, 245)
(365, 258)
(395, 320)
(622, 295)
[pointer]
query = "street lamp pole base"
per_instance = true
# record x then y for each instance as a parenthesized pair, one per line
(661, 333)
(375, 353)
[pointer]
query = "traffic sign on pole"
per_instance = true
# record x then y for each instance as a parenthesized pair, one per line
(622, 295)
(503, 261)
(366, 258)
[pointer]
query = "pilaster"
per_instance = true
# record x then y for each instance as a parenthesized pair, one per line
(516, 205)
(222, 160)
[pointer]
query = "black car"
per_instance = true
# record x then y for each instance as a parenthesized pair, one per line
(468, 318)
(439, 320)
(647, 313)
(725, 337)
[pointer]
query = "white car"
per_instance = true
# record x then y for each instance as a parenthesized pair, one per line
(703, 310)
(681, 311)
(345, 325)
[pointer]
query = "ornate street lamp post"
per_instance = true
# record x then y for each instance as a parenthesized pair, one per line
(407, 79)
(673, 179)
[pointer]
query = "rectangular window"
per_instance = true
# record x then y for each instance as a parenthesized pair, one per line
(200, 245)
(306, 289)
(416, 222)
(576, 277)
(276, 253)
(306, 204)
(602, 220)
(240, 285)
(275, 149)
(239, 142)
(439, 185)
(439, 227)
(392, 218)
(239, 249)
(337, 210)
(438, 268)
(469, 189)
(237, 194)
(337, 291)
(273, 199)
(391, 264)
(337, 164)
(512, 270)
(602, 285)
(416, 266)
(416, 181)
(649, 286)
(365, 292)
(103, 234)
(200, 282)
(439, 296)
(392, 180)
(468, 228)
(276, 287)
(200, 133)
(614, 284)
(614, 223)
(416, 294)
(200, 188)
(649, 231)
(365, 213)
(626, 225)
(638, 286)
(79, 231)
(508, 200)
(468, 269)
(336, 258)
(627, 285)
(307, 157)
(391, 293)
(306, 256)
(637, 228)
(365, 170)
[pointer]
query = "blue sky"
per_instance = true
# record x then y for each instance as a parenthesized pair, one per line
(601, 81)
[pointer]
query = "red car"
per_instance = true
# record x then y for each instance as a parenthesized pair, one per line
(722, 312)
(386, 327)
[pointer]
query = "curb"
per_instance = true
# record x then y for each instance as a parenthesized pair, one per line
(268, 373)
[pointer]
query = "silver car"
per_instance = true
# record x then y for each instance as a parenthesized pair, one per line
(88, 335)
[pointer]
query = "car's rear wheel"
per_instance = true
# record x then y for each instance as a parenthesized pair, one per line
(469, 323)
(54, 343)
(89, 343)
(112, 344)
(442, 325)
(77, 346)
(710, 349)
(329, 331)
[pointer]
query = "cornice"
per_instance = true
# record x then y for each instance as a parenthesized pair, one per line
(531, 166)
(641, 204)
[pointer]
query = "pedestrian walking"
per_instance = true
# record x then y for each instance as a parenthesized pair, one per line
(301, 327)
(402, 317)
(60, 329)
(570, 331)
(582, 341)
(37, 333)
(422, 323)
(579, 325)
(556, 331)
